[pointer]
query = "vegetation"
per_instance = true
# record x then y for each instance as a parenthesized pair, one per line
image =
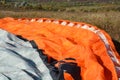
(52, 5)
(103, 14)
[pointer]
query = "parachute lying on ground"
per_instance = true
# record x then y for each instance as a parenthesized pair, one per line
(73, 50)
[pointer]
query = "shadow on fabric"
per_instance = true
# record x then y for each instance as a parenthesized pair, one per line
(117, 45)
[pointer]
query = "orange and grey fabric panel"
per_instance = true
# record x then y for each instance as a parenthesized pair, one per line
(91, 47)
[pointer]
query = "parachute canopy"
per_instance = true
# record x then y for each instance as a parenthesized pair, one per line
(89, 47)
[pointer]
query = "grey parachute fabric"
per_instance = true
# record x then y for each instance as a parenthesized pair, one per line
(17, 61)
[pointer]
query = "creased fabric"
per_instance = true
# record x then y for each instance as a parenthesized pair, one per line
(91, 47)
(19, 60)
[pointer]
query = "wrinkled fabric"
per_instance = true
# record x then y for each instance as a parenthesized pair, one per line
(91, 47)
(19, 60)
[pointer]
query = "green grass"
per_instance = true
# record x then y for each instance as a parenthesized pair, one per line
(85, 6)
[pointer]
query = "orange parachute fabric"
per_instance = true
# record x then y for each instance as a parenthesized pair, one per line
(91, 47)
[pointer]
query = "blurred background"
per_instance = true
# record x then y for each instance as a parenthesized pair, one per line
(104, 14)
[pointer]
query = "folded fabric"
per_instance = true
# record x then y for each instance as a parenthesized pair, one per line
(19, 60)
(90, 48)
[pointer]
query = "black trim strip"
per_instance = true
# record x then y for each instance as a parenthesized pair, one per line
(70, 59)
(20, 37)
(34, 45)
(32, 75)
(7, 76)
(72, 69)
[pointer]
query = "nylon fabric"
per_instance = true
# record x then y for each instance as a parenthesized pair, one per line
(64, 39)
(17, 61)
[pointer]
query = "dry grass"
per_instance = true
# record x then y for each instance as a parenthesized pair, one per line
(109, 21)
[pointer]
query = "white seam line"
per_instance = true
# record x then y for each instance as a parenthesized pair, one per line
(64, 23)
(40, 20)
(71, 24)
(32, 20)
